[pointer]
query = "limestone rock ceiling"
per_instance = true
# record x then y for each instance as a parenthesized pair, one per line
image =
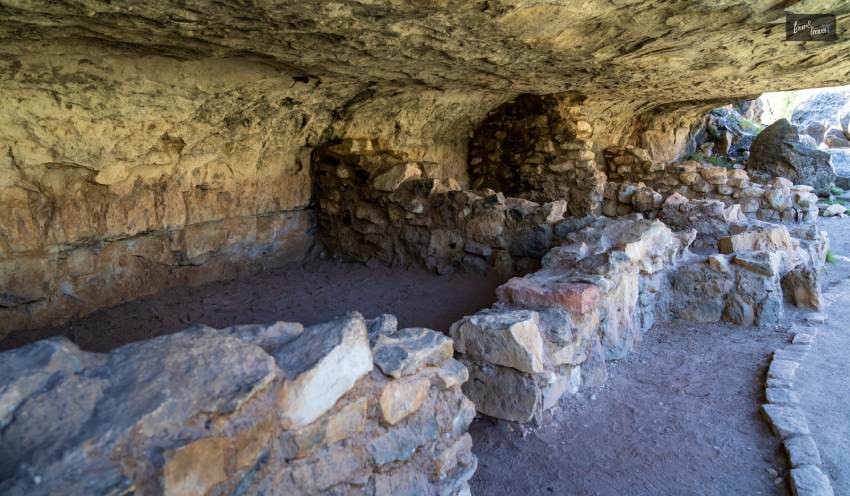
(634, 50)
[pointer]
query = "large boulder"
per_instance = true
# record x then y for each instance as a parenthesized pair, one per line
(820, 111)
(777, 152)
(840, 160)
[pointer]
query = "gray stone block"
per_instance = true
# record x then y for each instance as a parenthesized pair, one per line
(786, 421)
(782, 396)
(794, 356)
(782, 369)
(808, 480)
(802, 338)
(802, 450)
(779, 383)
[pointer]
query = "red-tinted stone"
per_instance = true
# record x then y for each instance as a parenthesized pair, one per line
(572, 297)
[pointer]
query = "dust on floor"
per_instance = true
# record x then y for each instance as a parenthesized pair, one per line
(308, 292)
(680, 415)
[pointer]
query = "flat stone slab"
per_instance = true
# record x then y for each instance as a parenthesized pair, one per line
(779, 383)
(802, 450)
(794, 356)
(818, 317)
(408, 350)
(786, 421)
(798, 347)
(782, 396)
(321, 365)
(506, 338)
(573, 297)
(782, 369)
(802, 339)
(808, 480)
(763, 262)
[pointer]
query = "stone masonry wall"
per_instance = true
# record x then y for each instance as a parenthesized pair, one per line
(346, 407)
(376, 206)
(552, 331)
(538, 148)
(641, 184)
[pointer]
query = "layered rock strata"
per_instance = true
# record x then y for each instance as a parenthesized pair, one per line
(256, 409)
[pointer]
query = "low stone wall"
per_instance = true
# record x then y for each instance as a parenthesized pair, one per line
(639, 184)
(552, 331)
(345, 407)
(759, 266)
(788, 421)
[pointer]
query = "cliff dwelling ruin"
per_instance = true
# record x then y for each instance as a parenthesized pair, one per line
(303, 248)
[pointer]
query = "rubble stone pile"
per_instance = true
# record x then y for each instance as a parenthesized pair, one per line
(344, 407)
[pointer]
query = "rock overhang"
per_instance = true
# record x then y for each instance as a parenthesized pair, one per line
(636, 50)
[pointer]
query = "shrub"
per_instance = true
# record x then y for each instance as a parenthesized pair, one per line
(835, 190)
(830, 257)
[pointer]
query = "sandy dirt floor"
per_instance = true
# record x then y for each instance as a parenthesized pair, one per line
(678, 416)
(308, 292)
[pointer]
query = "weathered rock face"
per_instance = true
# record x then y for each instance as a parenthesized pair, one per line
(139, 174)
(273, 409)
(777, 152)
(822, 113)
(521, 48)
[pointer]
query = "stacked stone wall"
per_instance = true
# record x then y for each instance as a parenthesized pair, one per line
(376, 206)
(539, 148)
(345, 407)
(639, 184)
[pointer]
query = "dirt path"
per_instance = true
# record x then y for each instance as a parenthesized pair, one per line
(679, 416)
(823, 381)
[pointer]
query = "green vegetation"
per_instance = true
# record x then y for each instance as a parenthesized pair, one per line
(837, 201)
(748, 124)
(830, 257)
(715, 161)
(720, 162)
(835, 190)
(782, 103)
